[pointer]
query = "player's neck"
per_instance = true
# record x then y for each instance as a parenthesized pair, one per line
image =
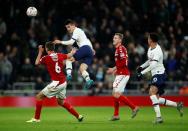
(50, 52)
(153, 45)
(117, 45)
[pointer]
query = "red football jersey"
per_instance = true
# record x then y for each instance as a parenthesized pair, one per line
(121, 59)
(54, 65)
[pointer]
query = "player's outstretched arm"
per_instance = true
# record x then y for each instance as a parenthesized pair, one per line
(149, 68)
(146, 64)
(40, 51)
(69, 42)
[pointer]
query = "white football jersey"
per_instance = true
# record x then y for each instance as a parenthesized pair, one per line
(156, 54)
(80, 37)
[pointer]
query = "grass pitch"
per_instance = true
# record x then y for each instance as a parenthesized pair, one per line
(95, 119)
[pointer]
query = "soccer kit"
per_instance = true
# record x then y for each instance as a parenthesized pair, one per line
(122, 77)
(54, 64)
(155, 65)
(84, 52)
(122, 72)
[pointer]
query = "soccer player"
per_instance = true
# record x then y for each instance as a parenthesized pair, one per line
(84, 53)
(54, 64)
(156, 88)
(122, 76)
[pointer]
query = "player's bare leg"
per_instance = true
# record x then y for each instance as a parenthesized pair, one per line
(70, 109)
(85, 74)
(154, 98)
(39, 100)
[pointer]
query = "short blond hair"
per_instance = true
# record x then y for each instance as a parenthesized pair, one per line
(120, 35)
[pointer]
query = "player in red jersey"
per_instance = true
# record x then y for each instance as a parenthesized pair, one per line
(54, 64)
(122, 76)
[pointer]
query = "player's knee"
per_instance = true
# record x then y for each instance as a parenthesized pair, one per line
(116, 94)
(153, 90)
(38, 97)
(60, 102)
(83, 67)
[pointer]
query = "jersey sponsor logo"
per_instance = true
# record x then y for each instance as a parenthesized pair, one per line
(122, 55)
(54, 57)
(154, 80)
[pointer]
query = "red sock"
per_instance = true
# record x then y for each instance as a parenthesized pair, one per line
(127, 102)
(70, 109)
(38, 109)
(116, 106)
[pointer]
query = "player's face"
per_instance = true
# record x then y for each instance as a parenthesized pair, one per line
(70, 28)
(149, 41)
(46, 49)
(116, 40)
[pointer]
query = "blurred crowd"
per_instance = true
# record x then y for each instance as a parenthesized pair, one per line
(100, 19)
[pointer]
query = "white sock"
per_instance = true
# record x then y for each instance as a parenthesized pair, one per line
(156, 107)
(68, 67)
(85, 75)
(167, 102)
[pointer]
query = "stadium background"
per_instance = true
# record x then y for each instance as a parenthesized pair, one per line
(100, 19)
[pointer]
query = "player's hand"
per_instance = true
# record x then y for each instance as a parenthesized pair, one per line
(41, 49)
(73, 51)
(110, 71)
(139, 69)
(57, 42)
(94, 52)
(139, 76)
(72, 59)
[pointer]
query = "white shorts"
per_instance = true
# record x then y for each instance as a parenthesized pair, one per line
(120, 82)
(54, 89)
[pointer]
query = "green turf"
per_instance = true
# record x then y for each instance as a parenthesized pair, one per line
(96, 119)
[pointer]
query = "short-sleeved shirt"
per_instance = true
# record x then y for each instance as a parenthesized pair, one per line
(80, 37)
(121, 59)
(156, 54)
(54, 65)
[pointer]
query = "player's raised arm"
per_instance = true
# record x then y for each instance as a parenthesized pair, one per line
(68, 42)
(40, 52)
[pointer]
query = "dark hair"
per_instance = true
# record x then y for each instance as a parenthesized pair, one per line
(120, 35)
(50, 46)
(69, 21)
(154, 37)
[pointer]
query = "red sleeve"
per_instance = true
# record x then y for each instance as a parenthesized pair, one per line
(43, 60)
(122, 54)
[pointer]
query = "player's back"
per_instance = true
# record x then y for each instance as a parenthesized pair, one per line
(156, 54)
(54, 65)
(80, 37)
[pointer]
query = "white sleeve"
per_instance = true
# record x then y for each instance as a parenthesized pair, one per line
(68, 42)
(149, 68)
(146, 64)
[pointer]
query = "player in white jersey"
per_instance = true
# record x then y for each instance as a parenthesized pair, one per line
(156, 87)
(84, 53)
